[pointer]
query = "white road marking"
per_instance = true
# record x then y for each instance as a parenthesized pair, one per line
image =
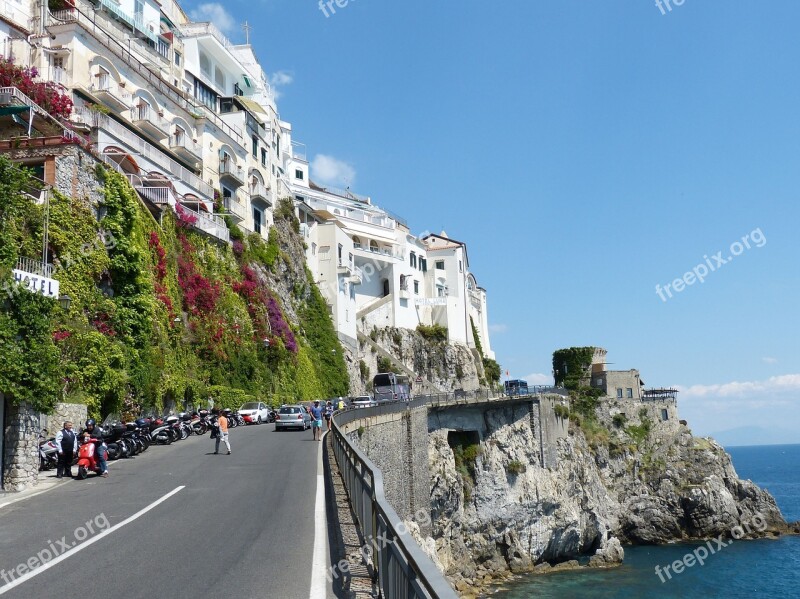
(82, 546)
(319, 587)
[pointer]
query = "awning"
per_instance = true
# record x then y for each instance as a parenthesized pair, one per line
(253, 107)
(6, 110)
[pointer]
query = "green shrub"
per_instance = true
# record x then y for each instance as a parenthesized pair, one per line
(561, 411)
(385, 365)
(571, 365)
(363, 369)
(619, 420)
(434, 332)
(515, 467)
(492, 369)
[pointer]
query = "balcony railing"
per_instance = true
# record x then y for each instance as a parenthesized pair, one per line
(35, 267)
(235, 207)
(305, 232)
(84, 14)
(111, 91)
(213, 225)
(144, 148)
(12, 95)
(185, 145)
(134, 22)
(260, 193)
(299, 151)
(197, 29)
(149, 121)
(228, 168)
(14, 14)
(381, 251)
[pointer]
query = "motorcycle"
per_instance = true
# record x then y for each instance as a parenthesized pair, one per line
(87, 458)
(48, 452)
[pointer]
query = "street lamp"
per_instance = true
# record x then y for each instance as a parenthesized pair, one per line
(64, 301)
(266, 343)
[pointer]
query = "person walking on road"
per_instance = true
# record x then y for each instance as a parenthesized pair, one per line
(67, 444)
(222, 434)
(328, 414)
(316, 417)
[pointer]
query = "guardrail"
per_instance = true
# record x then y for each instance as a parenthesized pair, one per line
(401, 569)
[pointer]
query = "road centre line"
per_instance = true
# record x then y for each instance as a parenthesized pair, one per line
(18, 581)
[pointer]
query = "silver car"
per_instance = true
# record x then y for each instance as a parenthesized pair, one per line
(292, 417)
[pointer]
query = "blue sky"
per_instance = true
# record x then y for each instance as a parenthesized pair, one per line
(586, 152)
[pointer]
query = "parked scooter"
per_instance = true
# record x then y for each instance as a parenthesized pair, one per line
(87, 457)
(48, 452)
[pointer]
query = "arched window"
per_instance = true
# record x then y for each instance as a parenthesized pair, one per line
(205, 65)
(356, 242)
(219, 78)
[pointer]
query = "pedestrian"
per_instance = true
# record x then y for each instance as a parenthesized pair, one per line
(328, 414)
(100, 453)
(222, 434)
(316, 417)
(341, 404)
(67, 444)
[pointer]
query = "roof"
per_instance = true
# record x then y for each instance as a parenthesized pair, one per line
(450, 244)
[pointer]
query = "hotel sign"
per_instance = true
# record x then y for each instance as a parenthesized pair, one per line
(36, 283)
(430, 301)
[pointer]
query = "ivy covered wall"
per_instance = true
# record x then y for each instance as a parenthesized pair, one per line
(160, 315)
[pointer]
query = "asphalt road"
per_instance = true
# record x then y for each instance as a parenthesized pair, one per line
(240, 526)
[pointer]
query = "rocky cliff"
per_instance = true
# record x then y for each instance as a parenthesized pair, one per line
(630, 479)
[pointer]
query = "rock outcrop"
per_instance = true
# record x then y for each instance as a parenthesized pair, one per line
(503, 512)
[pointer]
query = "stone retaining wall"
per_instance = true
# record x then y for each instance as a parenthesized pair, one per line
(21, 447)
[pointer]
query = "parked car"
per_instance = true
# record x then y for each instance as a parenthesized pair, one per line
(292, 417)
(257, 411)
(362, 401)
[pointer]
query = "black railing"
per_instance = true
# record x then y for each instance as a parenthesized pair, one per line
(401, 570)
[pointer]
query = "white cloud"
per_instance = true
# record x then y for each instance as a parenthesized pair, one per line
(783, 383)
(537, 378)
(768, 360)
(216, 14)
(332, 171)
(278, 80)
(498, 328)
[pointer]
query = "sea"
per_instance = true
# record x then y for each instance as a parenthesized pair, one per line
(759, 569)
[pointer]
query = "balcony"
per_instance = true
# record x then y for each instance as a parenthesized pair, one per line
(305, 232)
(346, 265)
(185, 147)
(404, 291)
(149, 122)
(134, 22)
(380, 253)
(211, 225)
(259, 193)
(235, 207)
(230, 173)
(34, 267)
(357, 277)
(111, 94)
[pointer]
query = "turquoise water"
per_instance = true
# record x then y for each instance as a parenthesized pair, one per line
(744, 569)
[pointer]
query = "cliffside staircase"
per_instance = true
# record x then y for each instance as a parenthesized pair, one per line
(373, 305)
(419, 387)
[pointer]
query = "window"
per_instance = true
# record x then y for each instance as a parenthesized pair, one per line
(278, 148)
(403, 283)
(413, 259)
(255, 147)
(257, 215)
(205, 94)
(219, 78)
(138, 10)
(298, 174)
(416, 287)
(423, 264)
(177, 59)
(440, 265)
(460, 267)
(339, 253)
(263, 157)
(619, 392)
(143, 110)
(180, 136)
(664, 414)
(440, 291)
(313, 249)
(205, 65)
(629, 392)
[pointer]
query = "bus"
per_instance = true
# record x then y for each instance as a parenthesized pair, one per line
(391, 386)
(517, 387)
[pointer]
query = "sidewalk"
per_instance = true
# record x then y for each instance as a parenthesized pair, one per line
(47, 481)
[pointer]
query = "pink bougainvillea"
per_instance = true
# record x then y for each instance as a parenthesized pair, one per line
(61, 335)
(199, 294)
(185, 218)
(46, 94)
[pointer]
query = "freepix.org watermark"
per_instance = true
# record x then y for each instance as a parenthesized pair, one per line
(665, 6)
(699, 273)
(328, 7)
(702, 553)
(54, 549)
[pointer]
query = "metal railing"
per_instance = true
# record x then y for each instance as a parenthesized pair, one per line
(401, 569)
(106, 84)
(35, 267)
(85, 15)
(185, 142)
(145, 148)
(195, 29)
(213, 225)
(13, 93)
(228, 167)
(14, 14)
(235, 207)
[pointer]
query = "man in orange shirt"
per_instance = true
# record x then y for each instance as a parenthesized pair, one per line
(223, 433)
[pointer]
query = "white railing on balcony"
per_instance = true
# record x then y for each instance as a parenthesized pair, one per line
(258, 189)
(106, 84)
(384, 251)
(305, 231)
(196, 29)
(235, 206)
(140, 146)
(299, 150)
(229, 167)
(358, 273)
(13, 13)
(15, 96)
(213, 225)
(85, 15)
(35, 267)
(145, 112)
(182, 140)
(59, 75)
(135, 22)
(346, 193)
(161, 196)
